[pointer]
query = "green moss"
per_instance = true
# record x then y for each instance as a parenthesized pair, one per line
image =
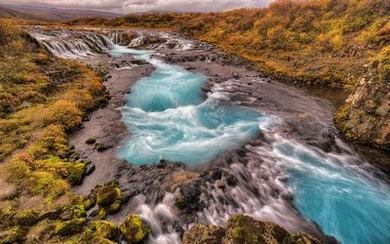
(73, 211)
(109, 197)
(26, 217)
(134, 229)
(69, 227)
(75, 172)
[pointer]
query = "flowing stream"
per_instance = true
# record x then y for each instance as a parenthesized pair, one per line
(170, 118)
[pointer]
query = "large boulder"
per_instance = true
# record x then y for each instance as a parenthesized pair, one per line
(109, 197)
(134, 230)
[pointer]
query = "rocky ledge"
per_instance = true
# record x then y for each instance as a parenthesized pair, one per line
(365, 117)
(243, 229)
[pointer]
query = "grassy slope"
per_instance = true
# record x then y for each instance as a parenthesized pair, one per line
(328, 41)
(41, 99)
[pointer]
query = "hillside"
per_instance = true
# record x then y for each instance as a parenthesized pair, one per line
(336, 43)
(43, 13)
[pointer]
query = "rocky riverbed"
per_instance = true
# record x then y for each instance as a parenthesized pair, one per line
(248, 178)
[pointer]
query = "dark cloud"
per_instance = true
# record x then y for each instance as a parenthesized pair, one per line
(126, 6)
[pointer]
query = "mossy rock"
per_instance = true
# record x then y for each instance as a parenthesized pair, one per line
(204, 234)
(134, 230)
(15, 234)
(76, 172)
(109, 197)
(25, 217)
(69, 227)
(244, 229)
(100, 229)
(73, 211)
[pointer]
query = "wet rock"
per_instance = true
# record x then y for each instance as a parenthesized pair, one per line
(101, 147)
(190, 200)
(231, 180)
(134, 230)
(220, 184)
(216, 174)
(91, 140)
(204, 234)
(90, 169)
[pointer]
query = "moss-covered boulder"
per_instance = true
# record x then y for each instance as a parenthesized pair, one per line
(204, 234)
(15, 234)
(69, 227)
(134, 230)
(100, 230)
(73, 211)
(109, 197)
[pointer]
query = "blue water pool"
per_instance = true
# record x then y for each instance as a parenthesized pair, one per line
(169, 117)
(346, 201)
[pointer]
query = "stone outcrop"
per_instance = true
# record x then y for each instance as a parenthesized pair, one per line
(365, 117)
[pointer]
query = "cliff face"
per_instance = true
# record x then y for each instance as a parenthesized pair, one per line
(365, 117)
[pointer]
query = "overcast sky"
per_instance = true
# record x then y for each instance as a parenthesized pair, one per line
(126, 6)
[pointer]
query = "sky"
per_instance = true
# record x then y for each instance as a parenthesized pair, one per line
(128, 6)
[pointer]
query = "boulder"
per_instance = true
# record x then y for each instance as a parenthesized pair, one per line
(134, 230)
(109, 197)
(100, 231)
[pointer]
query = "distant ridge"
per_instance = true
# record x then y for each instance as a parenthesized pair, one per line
(44, 13)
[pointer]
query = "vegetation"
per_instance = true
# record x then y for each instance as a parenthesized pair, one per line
(42, 98)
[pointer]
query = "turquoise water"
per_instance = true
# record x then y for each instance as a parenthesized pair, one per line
(345, 201)
(170, 119)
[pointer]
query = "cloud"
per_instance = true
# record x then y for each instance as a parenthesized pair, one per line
(127, 6)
